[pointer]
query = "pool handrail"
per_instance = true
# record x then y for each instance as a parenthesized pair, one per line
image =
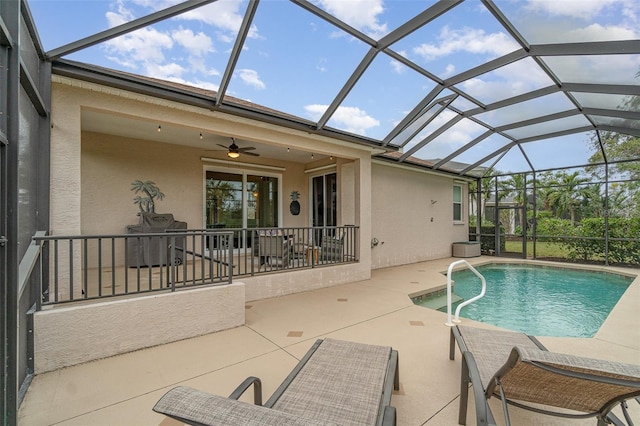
(449, 322)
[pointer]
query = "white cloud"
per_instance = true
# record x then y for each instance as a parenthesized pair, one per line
(587, 20)
(398, 67)
(143, 45)
(315, 111)
(449, 70)
(156, 4)
(612, 69)
(224, 15)
(454, 138)
(510, 80)
(360, 14)
(582, 9)
(598, 32)
(120, 16)
(251, 78)
(164, 72)
(322, 64)
(469, 40)
(196, 83)
(196, 44)
(350, 119)
(146, 50)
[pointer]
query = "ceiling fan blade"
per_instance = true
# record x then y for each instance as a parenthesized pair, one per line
(250, 153)
(224, 146)
(248, 148)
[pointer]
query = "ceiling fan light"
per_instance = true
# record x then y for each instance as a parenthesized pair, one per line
(233, 154)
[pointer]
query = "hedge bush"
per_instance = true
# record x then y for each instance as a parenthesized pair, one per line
(487, 238)
(586, 241)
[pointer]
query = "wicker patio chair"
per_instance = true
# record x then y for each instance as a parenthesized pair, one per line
(335, 383)
(274, 250)
(519, 370)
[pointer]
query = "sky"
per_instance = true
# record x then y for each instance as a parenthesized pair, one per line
(297, 63)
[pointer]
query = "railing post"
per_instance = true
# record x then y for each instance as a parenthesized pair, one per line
(172, 263)
(230, 262)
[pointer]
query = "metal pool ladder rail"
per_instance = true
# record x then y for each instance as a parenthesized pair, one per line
(449, 322)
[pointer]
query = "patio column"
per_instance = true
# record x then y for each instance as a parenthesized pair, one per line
(363, 209)
(66, 140)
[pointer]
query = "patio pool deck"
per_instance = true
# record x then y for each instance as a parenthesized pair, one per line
(121, 390)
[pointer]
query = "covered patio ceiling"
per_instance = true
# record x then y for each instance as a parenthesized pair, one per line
(450, 85)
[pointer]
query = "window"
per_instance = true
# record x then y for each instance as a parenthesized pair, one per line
(457, 203)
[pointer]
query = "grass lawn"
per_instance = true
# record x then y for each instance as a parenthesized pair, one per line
(543, 249)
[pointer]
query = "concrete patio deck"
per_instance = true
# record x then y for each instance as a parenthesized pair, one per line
(121, 390)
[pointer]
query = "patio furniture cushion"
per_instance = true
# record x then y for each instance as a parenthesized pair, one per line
(336, 382)
(341, 383)
(196, 407)
(575, 383)
(491, 348)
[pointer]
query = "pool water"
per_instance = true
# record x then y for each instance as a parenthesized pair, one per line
(541, 301)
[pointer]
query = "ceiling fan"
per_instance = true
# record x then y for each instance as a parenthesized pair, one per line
(234, 150)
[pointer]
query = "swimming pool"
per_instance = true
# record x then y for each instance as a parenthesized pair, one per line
(539, 300)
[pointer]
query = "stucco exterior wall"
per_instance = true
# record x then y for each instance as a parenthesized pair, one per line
(110, 164)
(66, 336)
(412, 216)
(280, 284)
(92, 172)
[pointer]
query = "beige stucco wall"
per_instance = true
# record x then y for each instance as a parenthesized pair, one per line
(92, 175)
(109, 164)
(413, 216)
(280, 284)
(70, 335)
(92, 172)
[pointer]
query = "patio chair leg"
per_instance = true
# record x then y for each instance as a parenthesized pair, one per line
(396, 379)
(505, 408)
(452, 348)
(464, 393)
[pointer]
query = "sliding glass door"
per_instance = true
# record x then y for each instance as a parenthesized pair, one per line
(262, 201)
(324, 198)
(241, 200)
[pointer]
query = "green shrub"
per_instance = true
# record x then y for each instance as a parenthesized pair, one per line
(553, 229)
(487, 238)
(589, 238)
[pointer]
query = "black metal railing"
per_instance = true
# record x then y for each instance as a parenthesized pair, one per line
(259, 250)
(97, 266)
(90, 267)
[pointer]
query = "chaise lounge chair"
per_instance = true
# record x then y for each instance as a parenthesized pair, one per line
(335, 383)
(519, 370)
